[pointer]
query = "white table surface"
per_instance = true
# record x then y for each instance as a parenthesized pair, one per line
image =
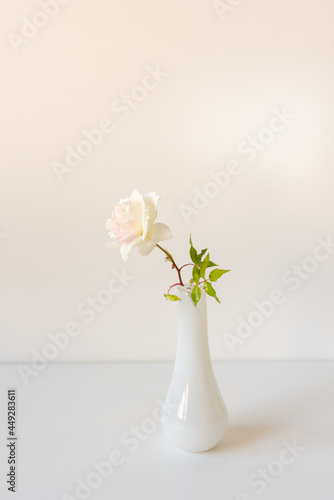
(72, 415)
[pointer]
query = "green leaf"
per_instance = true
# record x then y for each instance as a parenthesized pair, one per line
(217, 273)
(203, 265)
(172, 297)
(211, 264)
(200, 255)
(196, 294)
(196, 274)
(193, 255)
(211, 291)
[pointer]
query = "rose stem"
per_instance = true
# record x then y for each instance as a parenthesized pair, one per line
(191, 264)
(172, 287)
(173, 262)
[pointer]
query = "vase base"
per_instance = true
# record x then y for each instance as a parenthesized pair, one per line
(198, 441)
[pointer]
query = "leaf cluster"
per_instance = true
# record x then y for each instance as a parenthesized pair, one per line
(201, 263)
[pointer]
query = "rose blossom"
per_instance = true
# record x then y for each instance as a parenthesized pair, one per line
(132, 224)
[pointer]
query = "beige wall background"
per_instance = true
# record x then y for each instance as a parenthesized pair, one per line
(226, 110)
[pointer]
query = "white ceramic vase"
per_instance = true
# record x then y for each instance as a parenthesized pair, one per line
(198, 418)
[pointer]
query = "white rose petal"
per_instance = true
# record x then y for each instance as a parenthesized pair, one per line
(126, 248)
(158, 232)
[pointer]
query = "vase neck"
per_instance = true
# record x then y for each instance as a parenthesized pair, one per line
(192, 329)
